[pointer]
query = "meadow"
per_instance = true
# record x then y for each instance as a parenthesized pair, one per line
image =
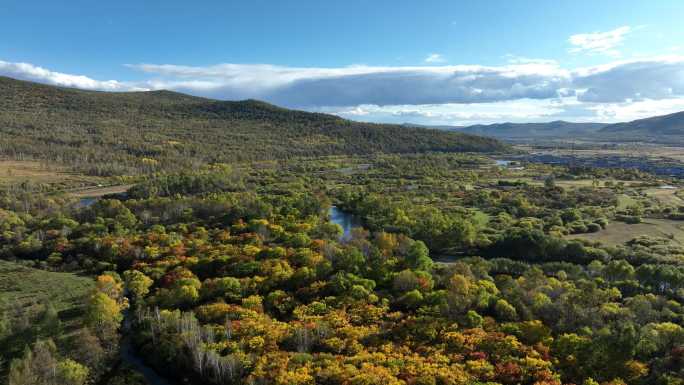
(37, 304)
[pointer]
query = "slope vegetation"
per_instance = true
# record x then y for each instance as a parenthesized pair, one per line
(654, 128)
(117, 133)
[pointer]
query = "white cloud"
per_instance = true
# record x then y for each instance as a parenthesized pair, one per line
(435, 58)
(523, 110)
(26, 71)
(523, 90)
(620, 81)
(655, 78)
(517, 111)
(355, 85)
(515, 59)
(599, 42)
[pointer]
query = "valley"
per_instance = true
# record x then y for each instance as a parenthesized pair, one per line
(413, 256)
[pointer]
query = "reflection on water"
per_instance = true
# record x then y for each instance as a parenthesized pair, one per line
(501, 162)
(86, 202)
(346, 220)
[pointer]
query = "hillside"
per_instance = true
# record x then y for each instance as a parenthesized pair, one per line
(103, 133)
(526, 131)
(656, 128)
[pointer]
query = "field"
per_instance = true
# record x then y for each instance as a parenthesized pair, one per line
(618, 233)
(625, 201)
(665, 196)
(587, 149)
(15, 172)
(30, 288)
(24, 294)
(96, 192)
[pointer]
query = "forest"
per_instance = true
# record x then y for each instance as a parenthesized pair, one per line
(130, 133)
(464, 271)
(210, 255)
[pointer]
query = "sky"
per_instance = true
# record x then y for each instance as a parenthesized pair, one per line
(429, 62)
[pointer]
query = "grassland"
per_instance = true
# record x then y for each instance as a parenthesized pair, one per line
(96, 192)
(618, 233)
(625, 201)
(29, 288)
(24, 294)
(665, 196)
(16, 172)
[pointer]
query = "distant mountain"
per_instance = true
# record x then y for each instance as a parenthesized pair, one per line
(118, 133)
(656, 128)
(659, 129)
(531, 131)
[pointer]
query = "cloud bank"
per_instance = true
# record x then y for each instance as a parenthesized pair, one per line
(524, 89)
(621, 81)
(26, 71)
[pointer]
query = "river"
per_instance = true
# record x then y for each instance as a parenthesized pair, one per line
(346, 220)
(129, 355)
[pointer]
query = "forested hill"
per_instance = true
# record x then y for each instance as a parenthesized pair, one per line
(526, 131)
(116, 133)
(657, 127)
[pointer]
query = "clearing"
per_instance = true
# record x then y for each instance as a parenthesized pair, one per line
(618, 233)
(665, 196)
(30, 288)
(14, 172)
(24, 294)
(96, 192)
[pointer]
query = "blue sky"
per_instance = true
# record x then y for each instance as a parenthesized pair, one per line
(431, 62)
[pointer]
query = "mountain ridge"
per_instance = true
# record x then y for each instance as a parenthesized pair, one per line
(112, 133)
(670, 124)
(661, 128)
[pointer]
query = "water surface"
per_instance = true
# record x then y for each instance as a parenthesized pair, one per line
(346, 220)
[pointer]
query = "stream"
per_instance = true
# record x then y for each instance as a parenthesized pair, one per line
(130, 356)
(346, 220)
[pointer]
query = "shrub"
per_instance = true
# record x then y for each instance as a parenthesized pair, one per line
(593, 227)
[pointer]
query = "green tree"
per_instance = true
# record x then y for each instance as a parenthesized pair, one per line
(49, 323)
(505, 311)
(419, 256)
(70, 372)
(137, 283)
(103, 314)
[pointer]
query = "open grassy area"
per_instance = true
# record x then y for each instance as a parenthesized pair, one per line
(25, 294)
(31, 288)
(625, 201)
(15, 172)
(618, 233)
(666, 197)
(96, 192)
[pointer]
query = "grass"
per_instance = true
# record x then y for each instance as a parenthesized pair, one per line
(666, 197)
(15, 172)
(29, 287)
(480, 218)
(97, 192)
(24, 294)
(624, 201)
(618, 233)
